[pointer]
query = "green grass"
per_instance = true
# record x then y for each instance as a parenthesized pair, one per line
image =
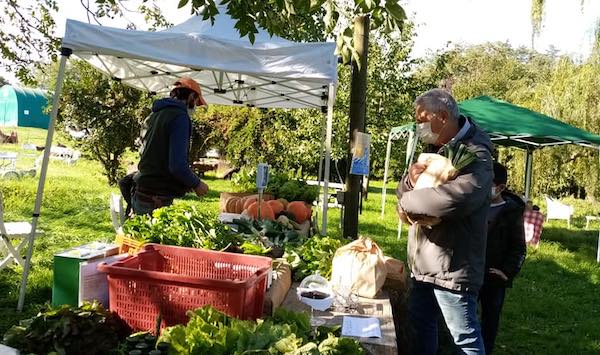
(553, 307)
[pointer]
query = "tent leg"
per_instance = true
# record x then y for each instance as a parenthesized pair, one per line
(328, 135)
(320, 176)
(388, 153)
(65, 53)
(528, 172)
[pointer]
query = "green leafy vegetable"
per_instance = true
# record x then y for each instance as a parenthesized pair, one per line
(280, 185)
(212, 332)
(459, 155)
(89, 329)
(316, 254)
(182, 226)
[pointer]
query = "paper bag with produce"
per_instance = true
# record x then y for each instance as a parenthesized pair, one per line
(439, 170)
(359, 266)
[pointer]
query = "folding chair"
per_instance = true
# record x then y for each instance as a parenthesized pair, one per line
(117, 213)
(11, 231)
(558, 210)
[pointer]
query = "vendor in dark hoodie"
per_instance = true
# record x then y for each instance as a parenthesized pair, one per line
(505, 253)
(163, 171)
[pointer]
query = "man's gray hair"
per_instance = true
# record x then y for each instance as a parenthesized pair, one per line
(438, 100)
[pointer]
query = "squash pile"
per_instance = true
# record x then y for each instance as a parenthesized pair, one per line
(298, 211)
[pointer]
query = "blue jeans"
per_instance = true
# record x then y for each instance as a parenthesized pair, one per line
(492, 299)
(459, 310)
(140, 206)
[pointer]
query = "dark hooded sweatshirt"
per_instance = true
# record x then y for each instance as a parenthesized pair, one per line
(452, 253)
(163, 167)
(506, 248)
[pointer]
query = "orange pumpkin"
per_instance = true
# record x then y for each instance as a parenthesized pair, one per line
(276, 206)
(230, 205)
(239, 206)
(266, 212)
(300, 211)
(249, 200)
(284, 202)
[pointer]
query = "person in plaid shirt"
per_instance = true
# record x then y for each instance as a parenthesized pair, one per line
(533, 221)
(505, 253)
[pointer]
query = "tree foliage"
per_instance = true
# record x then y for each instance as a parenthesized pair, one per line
(556, 86)
(110, 113)
(290, 140)
(27, 31)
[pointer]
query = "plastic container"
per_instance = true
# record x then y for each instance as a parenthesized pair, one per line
(128, 245)
(170, 281)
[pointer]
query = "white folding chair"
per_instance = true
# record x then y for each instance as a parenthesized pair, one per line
(117, 213)
(558, 210)
(11, 231)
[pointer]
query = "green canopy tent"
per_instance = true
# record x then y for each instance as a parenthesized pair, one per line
(515, 126)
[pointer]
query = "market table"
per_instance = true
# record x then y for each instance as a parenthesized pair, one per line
(379, 307)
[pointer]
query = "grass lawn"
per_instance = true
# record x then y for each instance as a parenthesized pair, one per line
(553, 308)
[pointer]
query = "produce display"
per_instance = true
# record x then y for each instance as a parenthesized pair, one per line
(298, 211)
(270, 236)
(212, 332)
(89, 329)
(279, 185)
(315, 255)
(186, 227)
(181, 226)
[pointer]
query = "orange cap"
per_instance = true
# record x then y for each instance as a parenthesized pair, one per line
(187, 82)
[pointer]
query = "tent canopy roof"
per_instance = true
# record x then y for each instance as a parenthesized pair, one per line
(512, 125)
(272, 72)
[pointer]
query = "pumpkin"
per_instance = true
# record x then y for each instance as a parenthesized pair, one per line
(300, 211)
(230, 204)
(284, 202)
(249, 200)
(276, 206)
(239, 206)
(266, 212)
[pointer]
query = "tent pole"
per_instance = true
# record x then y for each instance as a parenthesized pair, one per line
(321, 154)
(65, 53)
(388, 152)
(528, 175)
(330, 103)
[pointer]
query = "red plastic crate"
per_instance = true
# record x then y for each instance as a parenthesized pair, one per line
(172, 280)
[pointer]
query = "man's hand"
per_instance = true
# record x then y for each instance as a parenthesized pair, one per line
(414, 171)
(201, 189)
(499, 273)
(402, 215)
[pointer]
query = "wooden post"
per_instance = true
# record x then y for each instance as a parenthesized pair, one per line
(358, 110)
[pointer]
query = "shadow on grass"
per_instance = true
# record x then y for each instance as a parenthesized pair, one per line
(581, 242)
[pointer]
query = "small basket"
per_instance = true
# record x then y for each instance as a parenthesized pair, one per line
(128, 245)
(170, 281)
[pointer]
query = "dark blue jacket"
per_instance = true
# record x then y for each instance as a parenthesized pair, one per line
(163, 167)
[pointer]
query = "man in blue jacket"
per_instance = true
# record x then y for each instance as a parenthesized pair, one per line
(163, 171)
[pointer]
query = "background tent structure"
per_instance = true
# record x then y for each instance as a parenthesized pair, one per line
(23, 107)
(272, 72)
(514, 126)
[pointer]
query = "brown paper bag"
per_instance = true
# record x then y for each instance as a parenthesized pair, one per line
(359, 266)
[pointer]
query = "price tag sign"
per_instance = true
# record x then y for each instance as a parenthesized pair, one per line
(262, 176)
(360, 154)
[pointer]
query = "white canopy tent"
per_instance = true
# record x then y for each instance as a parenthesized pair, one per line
(271, 73)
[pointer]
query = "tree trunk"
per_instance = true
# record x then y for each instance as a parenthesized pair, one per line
(358, 110)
